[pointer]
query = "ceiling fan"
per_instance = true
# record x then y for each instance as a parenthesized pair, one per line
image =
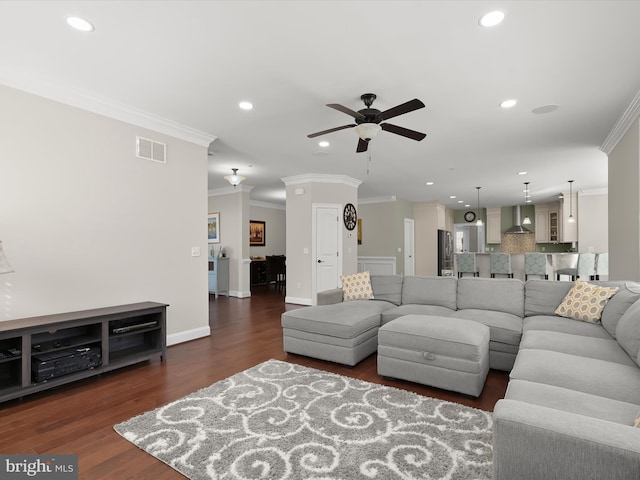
(368, 121)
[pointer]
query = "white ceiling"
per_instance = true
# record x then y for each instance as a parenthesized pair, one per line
(191, 62)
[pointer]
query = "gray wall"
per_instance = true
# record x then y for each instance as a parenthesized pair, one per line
(275, 229)
(624, 207)
(86, 224)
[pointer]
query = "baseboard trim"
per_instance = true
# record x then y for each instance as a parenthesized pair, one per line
(298, 301)
(188, 335)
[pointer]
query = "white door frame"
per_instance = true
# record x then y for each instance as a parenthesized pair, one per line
(314, 260)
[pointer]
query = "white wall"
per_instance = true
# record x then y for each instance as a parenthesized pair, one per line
(593, 217)
(86, 224)
(233, 205)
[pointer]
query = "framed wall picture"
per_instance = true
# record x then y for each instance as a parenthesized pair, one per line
(213, 234)
(256, 233)
(359, 231)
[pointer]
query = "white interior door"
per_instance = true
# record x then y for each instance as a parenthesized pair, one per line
(409, 239)
(327, 248)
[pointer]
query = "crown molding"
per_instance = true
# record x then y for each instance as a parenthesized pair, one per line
(623, 124)
(274, 206)
(321, 178)
(102, 106)
(594, 191)
(229, 190)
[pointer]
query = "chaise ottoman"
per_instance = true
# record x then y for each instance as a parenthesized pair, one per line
(344, 333)
(444, 352)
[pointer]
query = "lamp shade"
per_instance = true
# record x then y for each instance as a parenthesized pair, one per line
(234, 179)
(366, 131)
(4, 263)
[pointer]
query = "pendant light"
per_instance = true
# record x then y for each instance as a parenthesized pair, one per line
(571, 218)
(527, 220)
(234, 179)
(479, 221)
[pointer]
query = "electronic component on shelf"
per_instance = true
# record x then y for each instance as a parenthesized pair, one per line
(46, 366)
(124, 328)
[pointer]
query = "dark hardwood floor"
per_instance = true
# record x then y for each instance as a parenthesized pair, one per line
(79, 418)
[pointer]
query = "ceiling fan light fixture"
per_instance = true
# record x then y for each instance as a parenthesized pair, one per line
(234, 179)
(366, 131)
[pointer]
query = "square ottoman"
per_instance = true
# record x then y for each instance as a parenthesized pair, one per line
(444, 352)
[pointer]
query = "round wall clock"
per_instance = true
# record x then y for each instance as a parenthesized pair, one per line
(470, 216)
(350, 216)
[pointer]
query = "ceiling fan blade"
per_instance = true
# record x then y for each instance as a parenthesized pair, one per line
(362, 146)
(405, 132)
(317, 134)
(348, 111)
(406, 107)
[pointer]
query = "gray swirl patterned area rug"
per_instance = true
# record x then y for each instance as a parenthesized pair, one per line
(288, 422)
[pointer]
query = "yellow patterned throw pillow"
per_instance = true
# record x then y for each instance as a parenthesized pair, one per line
(585, 301)
(357, 287)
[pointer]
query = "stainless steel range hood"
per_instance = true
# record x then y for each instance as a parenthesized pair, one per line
(517, 227)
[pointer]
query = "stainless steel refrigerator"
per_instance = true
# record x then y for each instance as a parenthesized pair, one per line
(445, 253)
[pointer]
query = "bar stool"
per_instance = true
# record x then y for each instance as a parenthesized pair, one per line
(500, 263)
(602, 264)
(586, 268)
(535, 264)
(466, 263)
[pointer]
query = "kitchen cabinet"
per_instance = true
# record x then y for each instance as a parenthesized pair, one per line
(494, 227)
(548, 224)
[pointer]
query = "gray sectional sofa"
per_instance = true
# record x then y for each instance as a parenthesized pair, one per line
(574, 388)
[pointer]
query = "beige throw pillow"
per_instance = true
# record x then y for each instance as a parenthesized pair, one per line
(357, 287)
(636, 422)
(585, 302)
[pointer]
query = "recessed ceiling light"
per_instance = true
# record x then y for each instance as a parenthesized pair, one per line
(545, 109)
(522, 173)
(80, 24)
(452, 196)
(245, 105)
(467, 205)
(429, 183)
(492, 19)
(460, 201)
(323, 144)
(509, 103)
